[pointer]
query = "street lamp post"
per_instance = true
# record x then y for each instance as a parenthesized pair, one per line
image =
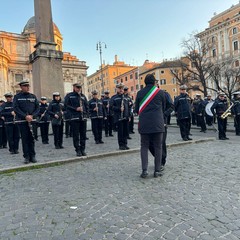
(99, 47)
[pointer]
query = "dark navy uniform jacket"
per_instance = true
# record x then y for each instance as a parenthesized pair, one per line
(236, 107)
(116, 103)
(101, 110)
(55, 107)
(5, 111)
(72, 102)
(43, 110)
(182, 104)
(169, 106)
(106, 101)
(151, 119)
(200, 107)
(25, 104)
(220, 106)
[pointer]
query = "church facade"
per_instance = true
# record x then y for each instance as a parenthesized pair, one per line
(15, 66)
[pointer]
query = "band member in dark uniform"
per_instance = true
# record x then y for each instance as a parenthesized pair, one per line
(3, 137)
(200, 113)
(12, 131)
(109, 120)
(236, 112)
(97, 114)
(150, 105)
(120, 108)
(130, 106)
(182, 104)
(26, 107)
(68, 128)
(220, 106)
(209, 119)
(77, 106)
(55, 110)
(43, 120)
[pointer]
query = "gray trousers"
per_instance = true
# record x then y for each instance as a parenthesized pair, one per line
(156, 139)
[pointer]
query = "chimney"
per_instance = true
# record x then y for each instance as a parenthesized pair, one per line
(116, 58)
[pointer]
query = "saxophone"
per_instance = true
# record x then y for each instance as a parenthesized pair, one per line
(122, 106)
(227, 112)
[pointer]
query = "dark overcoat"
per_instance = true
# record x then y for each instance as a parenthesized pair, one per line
(151, 119)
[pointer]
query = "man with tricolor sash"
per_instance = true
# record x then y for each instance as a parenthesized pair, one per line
(150, 104)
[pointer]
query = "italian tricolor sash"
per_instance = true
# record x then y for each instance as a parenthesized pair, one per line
(148, 98)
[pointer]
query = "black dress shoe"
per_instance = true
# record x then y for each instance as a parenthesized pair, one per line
(221, 138)
(122, 148)
(144, 174)
(110, 135)
(101, 141)
(83, 152)
(126, 147)
(185, 139)
(226, 138)
(157, 174)
(12, 152)
(87, 138)
(129, 138)
(97, 142)
(79, 153)
(106, 135)
(33, 159)
(188, 138)
(26, 160)
(4, 146)
(57, 147)
(61, 146)
(16, 151)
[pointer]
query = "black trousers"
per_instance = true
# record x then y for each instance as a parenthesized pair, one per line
(131, 124)
(122, 129)
(237, 124)
(194, 121)
(58, 134)
(68, 128)
(156, 140)
(185, 126)
(13, 137)
(201, 122)
(97, 127)
(79, 129)
(222, 127)
(28, 144)
(35, 131)
(164, 147)
(44, 129)
(3, 137)
(209, 120)
(108, 125)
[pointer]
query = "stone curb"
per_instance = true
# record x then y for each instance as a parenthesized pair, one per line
(90, 157)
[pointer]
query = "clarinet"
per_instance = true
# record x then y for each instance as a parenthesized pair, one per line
(97, 107)
(122, 106)
(81, 105)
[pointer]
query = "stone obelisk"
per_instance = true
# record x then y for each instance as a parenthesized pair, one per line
(46, 60)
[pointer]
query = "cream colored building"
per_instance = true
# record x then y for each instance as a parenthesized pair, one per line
(14, 60)
(223, 37)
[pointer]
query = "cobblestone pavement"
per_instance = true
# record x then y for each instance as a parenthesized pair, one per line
(196, 198)
(46, 153)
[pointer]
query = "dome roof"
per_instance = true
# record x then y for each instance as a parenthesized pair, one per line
(30, 27)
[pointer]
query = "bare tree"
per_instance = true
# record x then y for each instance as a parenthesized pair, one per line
(196, 64)
(226, 76)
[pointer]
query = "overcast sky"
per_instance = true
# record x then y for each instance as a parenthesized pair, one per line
(132, 29)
